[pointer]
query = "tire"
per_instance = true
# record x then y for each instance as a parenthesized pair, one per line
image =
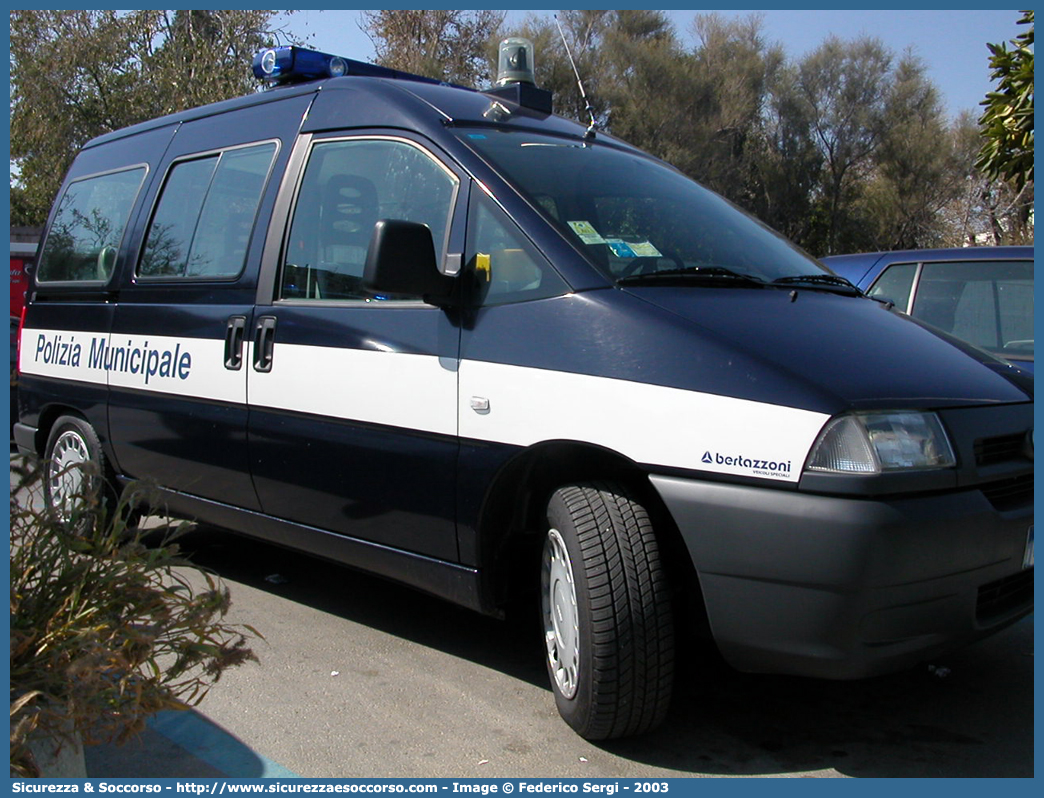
(75, 471)
(608, 621)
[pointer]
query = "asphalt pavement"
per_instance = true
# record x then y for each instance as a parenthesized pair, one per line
(359, 677)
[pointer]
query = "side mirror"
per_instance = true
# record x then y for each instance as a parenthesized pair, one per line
(401, 260)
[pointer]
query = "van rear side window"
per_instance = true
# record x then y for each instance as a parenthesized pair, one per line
(88, 227)
(202, 225)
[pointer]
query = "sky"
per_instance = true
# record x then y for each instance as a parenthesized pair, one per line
(952, 43)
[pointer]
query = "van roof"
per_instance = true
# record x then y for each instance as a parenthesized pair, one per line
(454, 105)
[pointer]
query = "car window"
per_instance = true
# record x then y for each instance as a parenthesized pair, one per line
(349, 185)
(895, 284)
(632, 215)
(88, 227)
(201, 227)
(504, 265)
(989, 304)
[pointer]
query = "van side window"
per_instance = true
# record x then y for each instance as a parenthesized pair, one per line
(88, 227)
(505, 267)
(202, 224)
(347, 187)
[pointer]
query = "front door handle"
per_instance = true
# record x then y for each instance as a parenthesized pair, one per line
(234, 334)
(264, 343)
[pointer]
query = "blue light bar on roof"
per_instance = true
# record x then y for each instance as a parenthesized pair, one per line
(290, 64)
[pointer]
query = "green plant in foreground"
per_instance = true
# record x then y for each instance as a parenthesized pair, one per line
(107, 627)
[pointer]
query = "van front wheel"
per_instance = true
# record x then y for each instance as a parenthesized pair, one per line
(608, 625)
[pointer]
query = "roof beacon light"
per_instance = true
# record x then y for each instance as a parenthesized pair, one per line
(515, 64)
(290, 64)
(516, 78)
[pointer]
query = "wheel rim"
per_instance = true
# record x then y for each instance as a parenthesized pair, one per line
(561, 628)
(67, 480)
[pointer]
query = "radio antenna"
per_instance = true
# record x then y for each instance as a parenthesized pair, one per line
(590, 132)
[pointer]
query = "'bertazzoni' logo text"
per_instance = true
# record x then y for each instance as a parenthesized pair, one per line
(757, 467)
(140, 359)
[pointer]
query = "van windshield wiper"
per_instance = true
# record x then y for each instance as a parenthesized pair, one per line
(710, 274)
(823, 281)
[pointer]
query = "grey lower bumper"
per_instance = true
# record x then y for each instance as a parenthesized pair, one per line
(845, 588)
(25, 439)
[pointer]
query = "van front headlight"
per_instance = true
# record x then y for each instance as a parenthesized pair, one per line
(873, 443)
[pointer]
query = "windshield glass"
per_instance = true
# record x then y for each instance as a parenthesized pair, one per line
(635, 217)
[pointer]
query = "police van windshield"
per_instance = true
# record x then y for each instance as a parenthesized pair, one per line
(637, 219)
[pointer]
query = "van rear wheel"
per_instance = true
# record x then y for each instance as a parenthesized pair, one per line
(608, 623)
(75, 469)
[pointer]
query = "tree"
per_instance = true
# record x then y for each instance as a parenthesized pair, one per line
(1008, 119)
(78, 74)
(844, 87)
(786, 164)
(444, 44)
(647, 84)
(733, 68)
(913, 172)
(982, 210)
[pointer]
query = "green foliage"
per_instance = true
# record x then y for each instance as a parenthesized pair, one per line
(733, 70)
(1008, 120)
(646, 84)
(583, 32)
(913, 168)
(78, 74)
(785, 163)
(444, 44)
(105, 629)
(844, 88)
(22, 214)
(844, 149)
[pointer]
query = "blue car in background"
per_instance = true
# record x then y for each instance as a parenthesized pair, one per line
(981, 294)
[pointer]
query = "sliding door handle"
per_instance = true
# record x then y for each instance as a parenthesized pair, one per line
(264, 343)
(235, 332)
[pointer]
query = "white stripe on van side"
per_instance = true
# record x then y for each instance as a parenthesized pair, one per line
(191, 367)
(522, 406)
(389, 388)
(497, 403)
(648, 423)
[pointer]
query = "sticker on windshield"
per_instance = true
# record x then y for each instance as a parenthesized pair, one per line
(586, 232)
(621, 248)
(645, 249)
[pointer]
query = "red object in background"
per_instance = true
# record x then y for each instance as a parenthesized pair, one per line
(19, 285)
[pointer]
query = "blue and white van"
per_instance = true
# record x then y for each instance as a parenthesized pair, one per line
(447, 337)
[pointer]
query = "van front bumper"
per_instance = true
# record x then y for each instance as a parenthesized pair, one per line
(844, 588)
